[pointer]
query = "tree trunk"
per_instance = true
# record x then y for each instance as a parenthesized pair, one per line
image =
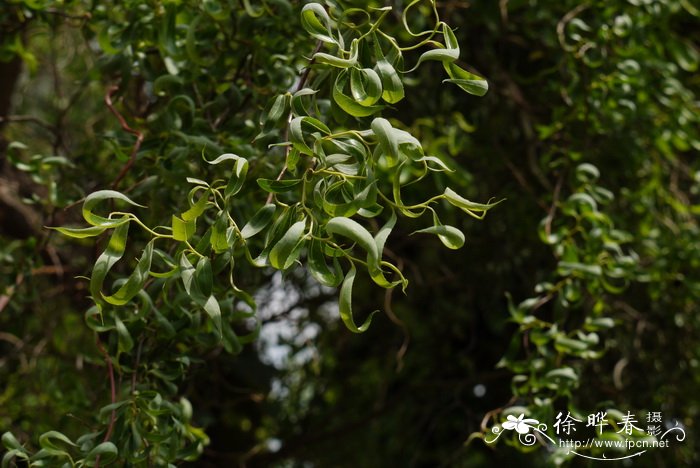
(17, 220)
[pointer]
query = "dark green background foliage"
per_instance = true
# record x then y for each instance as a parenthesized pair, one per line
(237, 185)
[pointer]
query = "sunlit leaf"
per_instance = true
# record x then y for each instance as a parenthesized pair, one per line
(107, 452)
(186, 273)
(448, 54)
(105, 262)
(204, 277)
(136, 280)
(125, 342)
(469, 82)
(278, 186)
(392, 86)
(567, 268)
(338, 62)
(48, 441)
(469, 207)
(92, 200)
(296, 132)
(348, 104)
(211, 307)
(319, 269)
(298, 107)
(365, 86)
(316, 22)
(81, 233)
(563, 373)
(383, 234)
(222, 235)
(345, 304)
(259, 221)
(439, 163)
(197, 208)
(387, 139)
(183, 230)
(10, 442)
(252, 12)
(450, 236)
(357, 233)
(276, 111)
(286, 251)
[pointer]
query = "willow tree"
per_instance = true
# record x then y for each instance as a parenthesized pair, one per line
(229, 142)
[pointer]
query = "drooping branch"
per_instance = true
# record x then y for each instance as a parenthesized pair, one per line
(125, 126)
(113, 394)
(300, 85)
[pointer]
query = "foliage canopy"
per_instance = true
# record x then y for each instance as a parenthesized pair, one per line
(231, 173)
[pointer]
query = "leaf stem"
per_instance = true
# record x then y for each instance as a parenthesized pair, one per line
(300, 85)
(113, 394)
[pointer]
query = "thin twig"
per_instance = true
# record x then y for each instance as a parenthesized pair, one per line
(81, 17)
(10, 291)
(300, 85)
(74, 204)
(389, 311)
(520, 178)
(553, 207)
(494, 412)
(136, 365)
(307, 70)
(564, 21)
(113, 394)
(27, 118)
(139, 136)
(12, 339)
(503, 7)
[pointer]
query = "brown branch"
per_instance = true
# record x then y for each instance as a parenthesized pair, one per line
(307, 70)
(300, 85)
(113, 394)
(83, 17)
(495, 412)
(74, 204)
(389, 311)
(520, 178)
(139, 136)
(564, 21)
(27, 118)
(553, 207)
(12, 339)
(503, 8)
(10, 291)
